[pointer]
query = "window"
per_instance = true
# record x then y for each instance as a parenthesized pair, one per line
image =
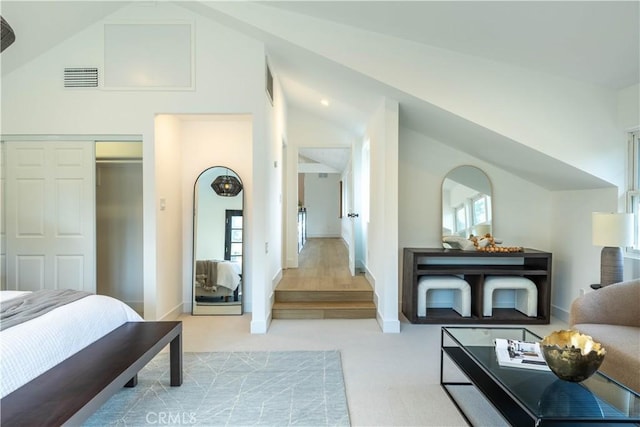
(233, 236)
(481, 208)
(633, 194)
(461, 219)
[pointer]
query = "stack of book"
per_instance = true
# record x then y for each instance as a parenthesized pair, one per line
(520, 354)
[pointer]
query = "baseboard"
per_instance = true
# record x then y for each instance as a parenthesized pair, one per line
(388, 326)
(276, 279)
(560, 313)
(324, 236)
(174, 313)
(260, 326)
(187, 307)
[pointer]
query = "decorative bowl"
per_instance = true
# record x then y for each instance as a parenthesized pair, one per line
(572, 356)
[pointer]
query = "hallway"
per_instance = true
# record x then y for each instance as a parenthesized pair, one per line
(323, 264)
(322, 286)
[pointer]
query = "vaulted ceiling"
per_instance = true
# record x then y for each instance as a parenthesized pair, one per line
(595, 42)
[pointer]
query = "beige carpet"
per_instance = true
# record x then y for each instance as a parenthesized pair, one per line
(390, 379)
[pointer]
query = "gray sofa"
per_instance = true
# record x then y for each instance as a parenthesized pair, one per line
(611, 315)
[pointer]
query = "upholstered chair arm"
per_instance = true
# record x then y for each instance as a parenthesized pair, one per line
(617, 304)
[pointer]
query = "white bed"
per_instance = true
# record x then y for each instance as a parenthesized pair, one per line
(33, 347)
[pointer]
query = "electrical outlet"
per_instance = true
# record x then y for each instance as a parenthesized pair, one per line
(266, 247)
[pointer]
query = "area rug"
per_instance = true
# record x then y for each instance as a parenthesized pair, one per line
(271, 388)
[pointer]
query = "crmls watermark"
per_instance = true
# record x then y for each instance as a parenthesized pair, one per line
(171, 418)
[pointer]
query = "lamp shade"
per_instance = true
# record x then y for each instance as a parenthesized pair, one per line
(226, 186)
(612, 229)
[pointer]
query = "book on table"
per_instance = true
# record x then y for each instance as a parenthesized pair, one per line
(520, 354)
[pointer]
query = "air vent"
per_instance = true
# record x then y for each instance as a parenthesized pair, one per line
(269, 82)
(80, 77)
(323, 175)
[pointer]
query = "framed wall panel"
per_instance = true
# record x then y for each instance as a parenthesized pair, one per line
(149, 56)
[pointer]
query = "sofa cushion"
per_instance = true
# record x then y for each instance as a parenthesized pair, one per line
(622, 343)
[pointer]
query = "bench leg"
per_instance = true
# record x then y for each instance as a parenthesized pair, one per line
(132, 382)
(175, 356)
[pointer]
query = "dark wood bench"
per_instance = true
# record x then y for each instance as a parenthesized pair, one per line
(71, 391)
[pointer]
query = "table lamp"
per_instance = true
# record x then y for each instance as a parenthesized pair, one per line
(613, 231)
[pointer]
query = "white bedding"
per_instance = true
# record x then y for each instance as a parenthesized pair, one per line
(31, 348)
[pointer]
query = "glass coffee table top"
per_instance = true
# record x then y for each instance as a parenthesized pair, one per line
(543, 395)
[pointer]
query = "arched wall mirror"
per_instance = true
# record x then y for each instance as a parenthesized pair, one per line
(218, 201)
(466, 203)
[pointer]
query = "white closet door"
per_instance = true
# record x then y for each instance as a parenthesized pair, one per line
(50, 215)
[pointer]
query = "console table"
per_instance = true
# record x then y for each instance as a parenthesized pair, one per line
(474, 266)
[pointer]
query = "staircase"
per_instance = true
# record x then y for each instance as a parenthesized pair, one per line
(322, 286)
(324, 304)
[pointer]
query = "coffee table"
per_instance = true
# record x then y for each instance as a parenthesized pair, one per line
(527, 397)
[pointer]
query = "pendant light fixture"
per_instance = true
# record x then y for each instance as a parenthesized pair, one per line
(226, 185)
(7, 36)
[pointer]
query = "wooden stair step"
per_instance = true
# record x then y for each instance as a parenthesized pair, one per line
(324, 310)
(317, 295)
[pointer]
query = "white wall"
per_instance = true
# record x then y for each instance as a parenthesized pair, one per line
(382, 230)
(322, 203)
(169, 244)
(274, 218)
(521, 210)
(576, 261)
(229, 79)
(629, 108)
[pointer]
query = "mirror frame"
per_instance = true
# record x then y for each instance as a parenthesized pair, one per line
(478, 171)
(221, 308)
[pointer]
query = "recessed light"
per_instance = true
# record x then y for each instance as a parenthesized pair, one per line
(324, 102)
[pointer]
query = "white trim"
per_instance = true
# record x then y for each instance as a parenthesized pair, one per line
(560, 313)
(633, 192)
(174, 313)
(276, 279)
(260, 326)
(388, 326)
(74, 137)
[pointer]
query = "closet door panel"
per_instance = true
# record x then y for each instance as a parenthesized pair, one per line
(50, 215)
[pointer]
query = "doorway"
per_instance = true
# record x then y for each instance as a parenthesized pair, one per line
(119, 222)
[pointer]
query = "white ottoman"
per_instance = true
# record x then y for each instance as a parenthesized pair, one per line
(526, 294)
(461, 293)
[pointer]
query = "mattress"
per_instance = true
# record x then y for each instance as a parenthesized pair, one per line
(31, 348)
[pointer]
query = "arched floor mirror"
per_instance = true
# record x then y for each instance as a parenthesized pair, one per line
(218, 249)
(466, 202)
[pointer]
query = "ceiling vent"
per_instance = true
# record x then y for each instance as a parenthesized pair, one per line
(80, 77)
(269, 82)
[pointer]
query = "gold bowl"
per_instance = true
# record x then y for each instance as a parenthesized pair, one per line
(572, 356)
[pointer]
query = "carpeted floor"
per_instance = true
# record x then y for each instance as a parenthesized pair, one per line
(264, 388)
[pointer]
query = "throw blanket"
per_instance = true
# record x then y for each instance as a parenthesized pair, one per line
(206, 272)
(213, 273)
(20, 309)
